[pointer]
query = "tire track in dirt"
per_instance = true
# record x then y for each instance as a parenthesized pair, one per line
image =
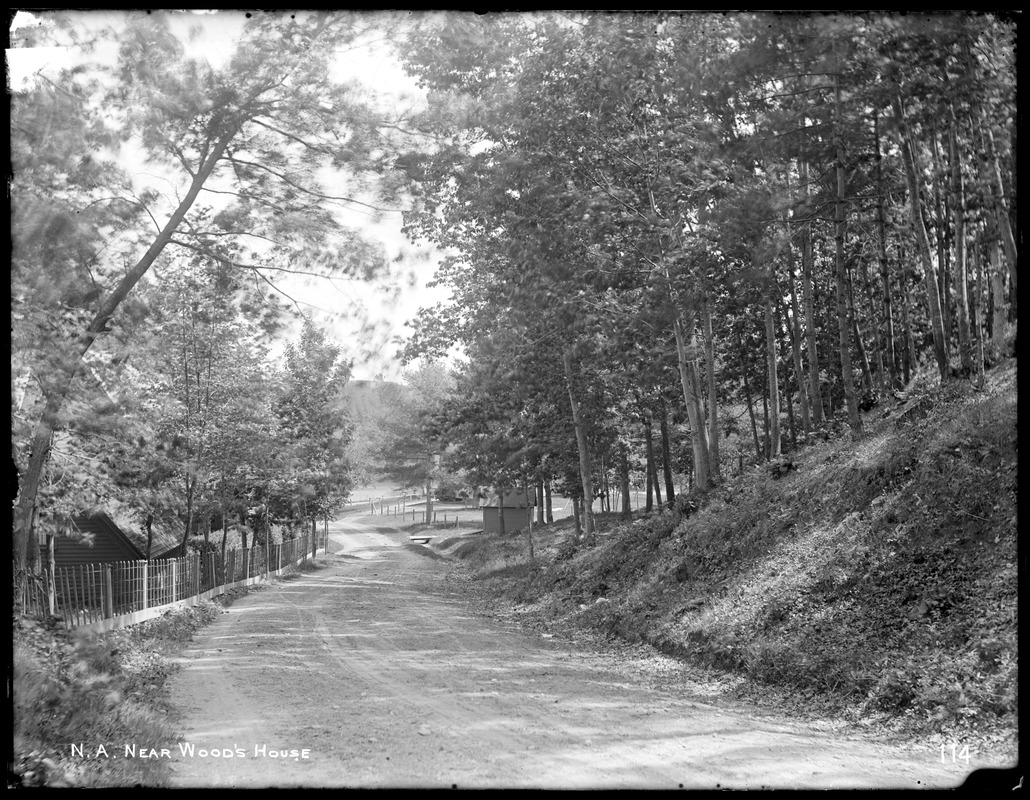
(387, 683)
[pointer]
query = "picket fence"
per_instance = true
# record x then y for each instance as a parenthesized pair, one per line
(111, 595)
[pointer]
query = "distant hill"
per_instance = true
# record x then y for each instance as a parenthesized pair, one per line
(369, 399)
(374, 409)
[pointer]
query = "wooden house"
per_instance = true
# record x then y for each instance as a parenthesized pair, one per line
(516, 506)
(98, 539)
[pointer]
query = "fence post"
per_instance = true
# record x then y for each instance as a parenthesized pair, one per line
(51, 590)
(143, 588)
(108, 592)
(51, 568)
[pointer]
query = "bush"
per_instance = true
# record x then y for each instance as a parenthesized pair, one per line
(97, 689)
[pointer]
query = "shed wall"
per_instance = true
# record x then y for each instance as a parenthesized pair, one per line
(514, 518)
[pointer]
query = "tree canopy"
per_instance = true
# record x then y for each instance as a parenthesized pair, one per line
(771, 201)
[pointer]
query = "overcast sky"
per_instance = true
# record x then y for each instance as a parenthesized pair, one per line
(366, 318)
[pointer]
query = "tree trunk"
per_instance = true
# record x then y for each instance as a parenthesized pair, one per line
(750, 405)
(652, 470)
(148, 525)
(687, 357)
(807, 266)
(26, 555)
(225, 535)
(890, 349)
(863, 356)
(977, 326)
(670, 491)
(923, 242)
(539, 501)
(908, 358)
(576, 517)
(529, 514)
(714, 468)
(627, 509)
(1001, 207)
(772, 377)
(783, 333)
(190, 491)
(874, 326)
(998, 315)
(584, 453)
(943, 239)
(766, 441)
(243, 532)
(843, 323)
(795, 338)
(961, 269)
(547, 501)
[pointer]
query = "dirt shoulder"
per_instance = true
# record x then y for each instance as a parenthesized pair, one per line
(376, 672)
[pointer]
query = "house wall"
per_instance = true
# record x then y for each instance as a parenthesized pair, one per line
(107, 546)
(514, 518)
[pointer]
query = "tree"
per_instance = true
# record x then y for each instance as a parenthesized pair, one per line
(258, 135)
(597, 176)
(414, 444)
(314, 428)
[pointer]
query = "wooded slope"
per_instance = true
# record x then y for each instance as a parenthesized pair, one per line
(875, 580)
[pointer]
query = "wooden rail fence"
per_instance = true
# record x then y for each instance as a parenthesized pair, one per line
(90, 594)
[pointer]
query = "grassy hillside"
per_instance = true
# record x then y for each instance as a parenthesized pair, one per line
(873, 580)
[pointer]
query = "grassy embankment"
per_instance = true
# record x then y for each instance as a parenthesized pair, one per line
(875, 581)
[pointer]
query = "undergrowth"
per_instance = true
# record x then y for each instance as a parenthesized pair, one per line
(103, 690)
(96, 691)
(875, 580)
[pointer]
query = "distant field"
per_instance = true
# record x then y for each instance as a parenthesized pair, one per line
(384, 498)
(374, 491)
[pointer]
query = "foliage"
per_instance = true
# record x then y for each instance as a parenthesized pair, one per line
(314, 429)
(610, 186)
(268, 134)
(412, 445)
(96, 690)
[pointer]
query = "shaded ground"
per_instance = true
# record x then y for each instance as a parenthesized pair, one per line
(378, 674)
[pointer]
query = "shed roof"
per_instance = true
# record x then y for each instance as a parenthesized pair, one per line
(166, 534)
(104, 541)
(512, 499)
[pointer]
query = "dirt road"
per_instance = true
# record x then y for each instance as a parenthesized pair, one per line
(368, 674)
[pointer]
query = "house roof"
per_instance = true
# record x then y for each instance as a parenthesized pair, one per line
(512, 499)
(103, 527)
(166, 534)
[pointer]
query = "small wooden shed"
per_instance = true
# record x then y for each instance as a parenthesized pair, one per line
(516, 506)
